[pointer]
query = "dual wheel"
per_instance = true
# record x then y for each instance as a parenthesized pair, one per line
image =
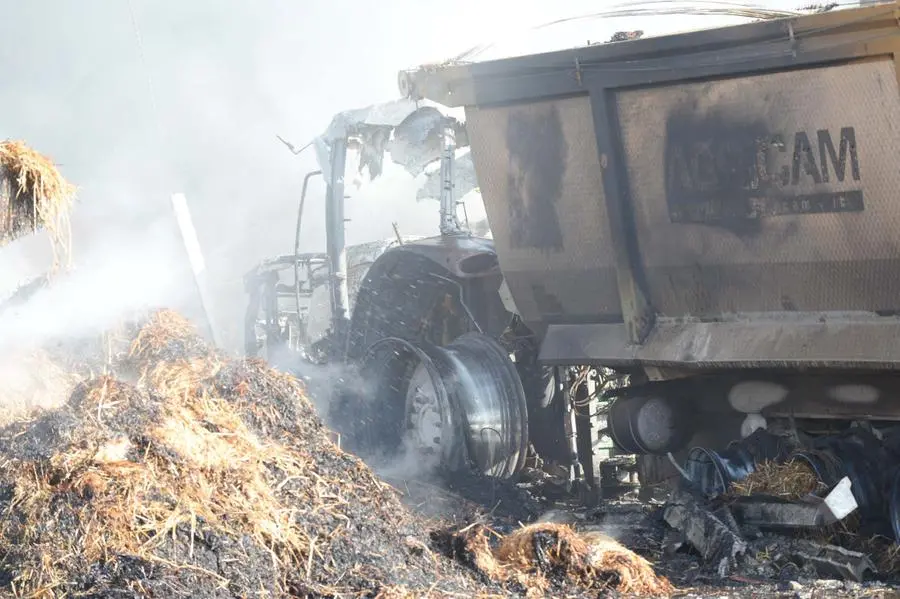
(461, 406)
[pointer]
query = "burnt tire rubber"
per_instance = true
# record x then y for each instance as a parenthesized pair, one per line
(366, 408)
(546, 410)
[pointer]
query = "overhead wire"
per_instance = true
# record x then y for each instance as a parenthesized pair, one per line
(151, 88)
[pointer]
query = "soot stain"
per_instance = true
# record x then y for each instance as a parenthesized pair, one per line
(537, 163)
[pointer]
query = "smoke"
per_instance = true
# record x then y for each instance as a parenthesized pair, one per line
(323, 383)
(52, 326)
(31, 380)
(116, 278)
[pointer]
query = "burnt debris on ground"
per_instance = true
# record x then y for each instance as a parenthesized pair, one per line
(173, 470)
(769, 516)
(179, 472)
(770, 510)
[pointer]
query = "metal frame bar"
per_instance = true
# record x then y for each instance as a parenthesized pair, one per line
(636, 310)
(736, 50)
(306, 179)
(335, 239)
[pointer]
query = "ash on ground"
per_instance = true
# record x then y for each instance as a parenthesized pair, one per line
(735, 544)
(764, 534)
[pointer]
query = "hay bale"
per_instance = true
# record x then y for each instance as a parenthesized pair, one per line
(206, 477)
(33, 196)
(540, 556)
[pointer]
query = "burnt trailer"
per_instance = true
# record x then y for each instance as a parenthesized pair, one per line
(713, 213)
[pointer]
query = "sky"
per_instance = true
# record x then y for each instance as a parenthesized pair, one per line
(140, 99)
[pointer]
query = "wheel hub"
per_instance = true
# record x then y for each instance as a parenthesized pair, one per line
(424, 431)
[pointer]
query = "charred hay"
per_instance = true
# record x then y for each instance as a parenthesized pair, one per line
(546, 559)
(182, 472)
(792, 479)
(206, 477)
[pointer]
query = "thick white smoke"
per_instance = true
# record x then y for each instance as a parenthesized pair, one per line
(113, 279)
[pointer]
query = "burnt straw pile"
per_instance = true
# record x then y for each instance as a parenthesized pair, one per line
(180, 472)
(191, 474)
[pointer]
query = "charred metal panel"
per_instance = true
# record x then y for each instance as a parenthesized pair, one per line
(543, 192)
(462, 256)
(751, 342)
(768, 192)
(747, 170)
(538, 151)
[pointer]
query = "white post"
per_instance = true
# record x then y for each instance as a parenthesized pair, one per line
(195, 257)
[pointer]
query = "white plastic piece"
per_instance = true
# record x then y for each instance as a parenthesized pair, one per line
(507, 298)
(188, 233)
(839, 503)
(854, 394)
(752, 423)
(751, 397)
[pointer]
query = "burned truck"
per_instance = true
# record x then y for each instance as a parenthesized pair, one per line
(693, 240)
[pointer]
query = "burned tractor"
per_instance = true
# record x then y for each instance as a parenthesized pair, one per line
(450, 367)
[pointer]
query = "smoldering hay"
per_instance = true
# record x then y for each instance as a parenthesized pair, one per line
(183, 472)
(33, 196)
(177, 471)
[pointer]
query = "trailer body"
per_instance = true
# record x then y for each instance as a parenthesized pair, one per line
(717, 199)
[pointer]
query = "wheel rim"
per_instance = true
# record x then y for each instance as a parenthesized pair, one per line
(461, 404)
(492, 404)
(425, 418)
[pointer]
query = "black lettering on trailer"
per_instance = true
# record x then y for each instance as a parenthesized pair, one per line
(730, 174)
(538, 151)
(805, 159)
(839, 161)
